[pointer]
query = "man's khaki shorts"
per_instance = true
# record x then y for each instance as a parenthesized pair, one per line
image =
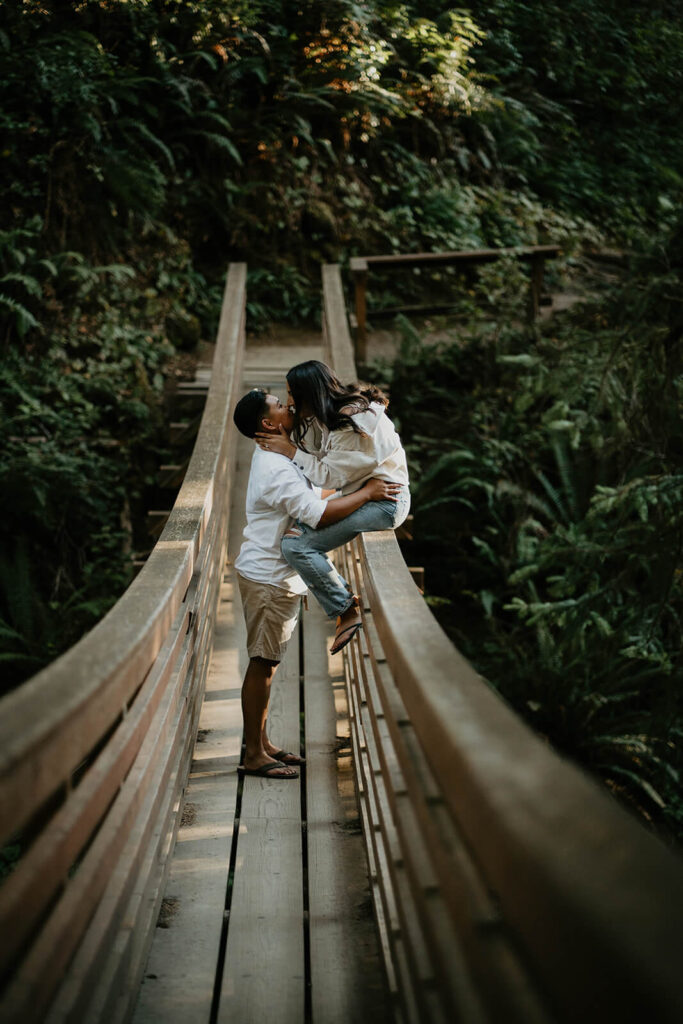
(270, 613)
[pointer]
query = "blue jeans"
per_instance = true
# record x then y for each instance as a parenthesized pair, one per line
(307, 552)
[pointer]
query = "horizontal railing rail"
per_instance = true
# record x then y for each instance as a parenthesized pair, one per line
(94, 750)
(508, 886)
(535, 255)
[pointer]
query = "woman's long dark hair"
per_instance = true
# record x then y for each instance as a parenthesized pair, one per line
(315, 387)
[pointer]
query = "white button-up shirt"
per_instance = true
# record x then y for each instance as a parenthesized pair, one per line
(277, 493)
(345, 459)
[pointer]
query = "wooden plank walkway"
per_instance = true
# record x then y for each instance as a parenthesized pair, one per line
(267, 912)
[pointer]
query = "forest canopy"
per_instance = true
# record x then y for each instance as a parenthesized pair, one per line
(274, 124)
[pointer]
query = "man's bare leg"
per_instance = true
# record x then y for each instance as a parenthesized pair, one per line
(255, 697)
(287, 757)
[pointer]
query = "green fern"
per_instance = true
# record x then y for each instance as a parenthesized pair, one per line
(129, 127)
(30, 284)
(23, 319)
(219, 142)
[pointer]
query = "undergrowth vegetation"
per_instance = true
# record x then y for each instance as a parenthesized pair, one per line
(547, 491)
(82, 427)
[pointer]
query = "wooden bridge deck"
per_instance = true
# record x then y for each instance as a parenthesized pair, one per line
(267, 912)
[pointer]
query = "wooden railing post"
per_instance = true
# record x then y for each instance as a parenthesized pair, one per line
(359, 269)
(335, 323)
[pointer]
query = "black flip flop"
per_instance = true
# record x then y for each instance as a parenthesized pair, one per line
(265, 770)
(280, 755)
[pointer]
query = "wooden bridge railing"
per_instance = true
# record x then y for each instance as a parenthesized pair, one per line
(94, 750)
(508, 886)
(535, 255)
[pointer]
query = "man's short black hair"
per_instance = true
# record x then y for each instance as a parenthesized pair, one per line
(249, 412)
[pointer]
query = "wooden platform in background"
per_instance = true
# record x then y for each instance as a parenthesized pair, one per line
(267, 912)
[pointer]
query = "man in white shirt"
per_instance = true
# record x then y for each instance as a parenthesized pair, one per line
(278, 493)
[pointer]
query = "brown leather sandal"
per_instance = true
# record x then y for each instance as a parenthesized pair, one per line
(345, 634)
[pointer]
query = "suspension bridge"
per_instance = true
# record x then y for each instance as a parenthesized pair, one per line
(435, 861)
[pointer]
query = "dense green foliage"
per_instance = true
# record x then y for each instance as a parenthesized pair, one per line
(146, 143)
(82, 426)
(305, 131)
(548, 487)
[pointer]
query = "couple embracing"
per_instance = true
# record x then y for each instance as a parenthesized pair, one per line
(328, 436)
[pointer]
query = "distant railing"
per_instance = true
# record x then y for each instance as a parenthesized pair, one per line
(94, 750)
(535, 255)
(508, 887)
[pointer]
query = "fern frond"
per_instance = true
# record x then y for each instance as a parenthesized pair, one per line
(249, 65)
(566, 471)
(553, 495)
(119, 271)
(215, 118)
(126, 124)
(222, 142)
(212, 59)
(639, 781)
(8, 633)
(32, 286)
(49, 266)
(25, 320)
(312, 98)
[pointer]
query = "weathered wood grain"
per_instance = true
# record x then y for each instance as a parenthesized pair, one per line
(346, 976)
(264, 961)
(45, 867)
(34, 982)
(180, 972)
(104, 961)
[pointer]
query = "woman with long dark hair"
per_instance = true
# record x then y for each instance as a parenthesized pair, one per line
(342, 437)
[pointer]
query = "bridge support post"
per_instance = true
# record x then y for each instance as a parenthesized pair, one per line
(359, 269)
